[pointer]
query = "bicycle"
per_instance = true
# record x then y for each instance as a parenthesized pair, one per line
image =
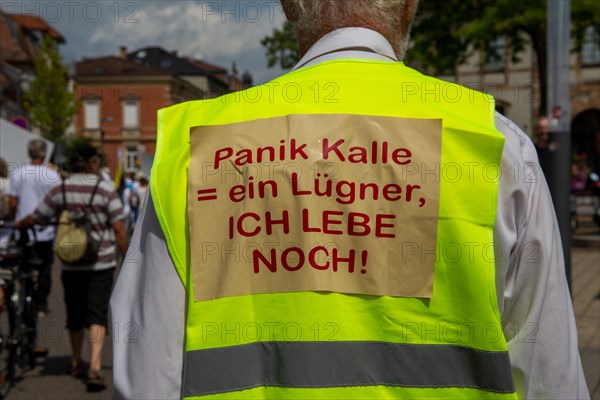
(17, 349)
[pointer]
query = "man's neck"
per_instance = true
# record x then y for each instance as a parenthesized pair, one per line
(306, 40)
(37, 161)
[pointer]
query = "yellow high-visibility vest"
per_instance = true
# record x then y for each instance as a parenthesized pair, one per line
(315, 341)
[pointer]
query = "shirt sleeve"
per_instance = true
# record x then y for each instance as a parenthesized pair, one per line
(47, 208)
(115, 207)
(50, 178)
(148, 314)
(14, 183)
(537, 313)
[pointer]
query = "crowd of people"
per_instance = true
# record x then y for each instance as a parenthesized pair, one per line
(132, 189)
(35, 195)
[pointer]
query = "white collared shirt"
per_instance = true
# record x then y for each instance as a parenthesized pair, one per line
(537, 314)
(348, 43)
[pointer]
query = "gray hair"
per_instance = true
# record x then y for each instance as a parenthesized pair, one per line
(36, 149)
(335, 14)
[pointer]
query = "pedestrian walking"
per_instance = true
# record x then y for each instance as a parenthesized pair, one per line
(87, 286)
(29, 184)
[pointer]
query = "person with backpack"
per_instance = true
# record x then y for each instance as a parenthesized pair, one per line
(92, 207)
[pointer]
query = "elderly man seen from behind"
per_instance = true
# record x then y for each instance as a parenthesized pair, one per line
(308, 247)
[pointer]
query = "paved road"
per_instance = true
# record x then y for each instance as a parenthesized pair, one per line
(49, 379)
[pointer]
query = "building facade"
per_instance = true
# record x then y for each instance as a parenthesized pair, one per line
(120, 95)
(515, 85)
(20, 38)
(118, 103)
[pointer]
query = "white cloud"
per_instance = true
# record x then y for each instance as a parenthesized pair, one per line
(221, 31)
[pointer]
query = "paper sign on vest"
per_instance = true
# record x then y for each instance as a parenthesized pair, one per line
(314, 203)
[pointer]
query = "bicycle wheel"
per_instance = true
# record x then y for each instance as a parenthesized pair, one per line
(29, 327)
(4, 351)
(8, 351)
(4, 365)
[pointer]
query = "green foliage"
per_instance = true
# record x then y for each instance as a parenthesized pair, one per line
(438, 41)
(455, 28)
(71, 142)
(64, 149)
(447, 32)
(51, 107)
(586, 13)
(282, 47)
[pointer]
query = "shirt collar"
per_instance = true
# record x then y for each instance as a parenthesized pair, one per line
(348, 43)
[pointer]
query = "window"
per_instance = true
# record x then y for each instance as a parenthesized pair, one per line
(590, 50)
(131, 115)
(494, 59)
(130, 158)
(92, 114)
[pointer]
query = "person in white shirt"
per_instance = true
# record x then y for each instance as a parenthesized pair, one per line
(29, 184)
(149, 299)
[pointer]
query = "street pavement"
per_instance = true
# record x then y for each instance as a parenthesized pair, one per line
(49, 380)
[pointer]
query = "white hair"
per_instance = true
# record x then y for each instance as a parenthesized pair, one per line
(335, 14)
(36, 149)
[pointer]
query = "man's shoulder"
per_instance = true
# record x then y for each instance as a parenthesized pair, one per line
(518, 145)
(106, 187)
(86, 183)
(51, 170)
(50, 175)
(81, 182)
(30, 173)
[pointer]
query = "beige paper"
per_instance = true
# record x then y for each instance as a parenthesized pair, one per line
(313, 203)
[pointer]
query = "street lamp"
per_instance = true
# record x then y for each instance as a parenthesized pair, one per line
(559, 115)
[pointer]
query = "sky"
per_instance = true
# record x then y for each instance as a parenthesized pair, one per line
(219, 32)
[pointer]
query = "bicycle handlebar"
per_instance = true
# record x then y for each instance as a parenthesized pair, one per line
(37, 227)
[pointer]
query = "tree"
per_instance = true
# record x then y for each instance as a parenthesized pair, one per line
(50, 105)
(447, 32)
(282, 47)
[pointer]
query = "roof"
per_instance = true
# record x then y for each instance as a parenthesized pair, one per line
(209, 67)
(157, 57)
(157, 61)
(33, 22)
(10, 48)
(20, 37)
(114, 66)
(219, 73)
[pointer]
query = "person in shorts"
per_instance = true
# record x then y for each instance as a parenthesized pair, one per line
(87, 287)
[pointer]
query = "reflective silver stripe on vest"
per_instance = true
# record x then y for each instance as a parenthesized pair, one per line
(336, 364)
